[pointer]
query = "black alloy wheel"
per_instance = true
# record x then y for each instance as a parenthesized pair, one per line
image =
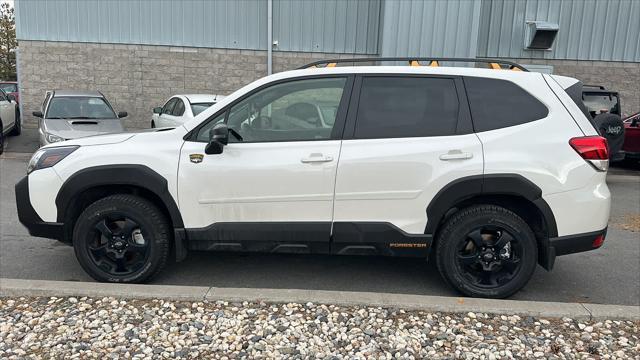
(122, 238)
(118, 246)
(486, 251)
(489, 256)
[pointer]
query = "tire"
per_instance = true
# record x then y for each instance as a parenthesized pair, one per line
(1, 138)
(611, 127)
(17, 126)
(470, 257)
(107, 234)
(153, 124)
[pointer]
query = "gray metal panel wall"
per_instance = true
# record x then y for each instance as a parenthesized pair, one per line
(320, 26)
(335, 26)
(606, 30)
(430, 28)
(238, 24)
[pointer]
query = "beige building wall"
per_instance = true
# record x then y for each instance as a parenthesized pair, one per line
(137, 78)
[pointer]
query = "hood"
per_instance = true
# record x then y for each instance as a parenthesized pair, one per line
(109, 138)
(77, 128)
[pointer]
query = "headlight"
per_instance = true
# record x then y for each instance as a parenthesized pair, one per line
(48, 157)
(53, 138)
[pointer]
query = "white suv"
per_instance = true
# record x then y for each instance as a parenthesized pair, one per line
(488, 171)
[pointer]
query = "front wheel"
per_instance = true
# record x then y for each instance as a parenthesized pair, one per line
(486, 251)
(122, 238)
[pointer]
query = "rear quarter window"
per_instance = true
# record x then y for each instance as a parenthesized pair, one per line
(497, 104)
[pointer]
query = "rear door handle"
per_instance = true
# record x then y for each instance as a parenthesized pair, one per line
(316, 158)
(456, 155)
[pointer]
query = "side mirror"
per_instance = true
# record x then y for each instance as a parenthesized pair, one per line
(157, 110)
(38, 114)
(218, 138)
(122, 114)
(12, 97)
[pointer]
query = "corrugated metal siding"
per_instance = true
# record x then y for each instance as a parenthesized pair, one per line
(320, 26)
(430, 28)
(606, 30)
(334, 26)
(237, 24)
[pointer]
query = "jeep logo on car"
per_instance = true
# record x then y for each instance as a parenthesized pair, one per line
(614, 130)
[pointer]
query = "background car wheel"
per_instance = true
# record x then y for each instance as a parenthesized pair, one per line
(153, 124)
(1, 138)
(122, 238)
(486, 251)
(17, 127)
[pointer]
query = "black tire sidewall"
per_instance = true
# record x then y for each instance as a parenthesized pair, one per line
(17, 126)
(152, 224)
(464, 222)
(1, 138)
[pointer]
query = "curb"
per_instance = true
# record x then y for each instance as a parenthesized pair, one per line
(19, 287)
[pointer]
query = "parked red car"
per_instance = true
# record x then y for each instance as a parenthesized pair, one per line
(631, 146)
(11, 88)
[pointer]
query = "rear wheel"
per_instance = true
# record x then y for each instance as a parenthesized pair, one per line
(17, 126)
(153, 124)
(122, 238)
(486, 251)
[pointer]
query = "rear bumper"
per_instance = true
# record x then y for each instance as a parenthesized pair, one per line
(572, 244)
(30, 218)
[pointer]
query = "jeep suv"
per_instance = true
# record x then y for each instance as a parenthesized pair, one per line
(487, 172)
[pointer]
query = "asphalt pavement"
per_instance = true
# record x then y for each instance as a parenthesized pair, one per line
(609, 275)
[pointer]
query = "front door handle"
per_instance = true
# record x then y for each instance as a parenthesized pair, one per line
(456, 155)
(316, 158)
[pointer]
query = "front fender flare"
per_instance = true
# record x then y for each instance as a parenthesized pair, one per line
(135, 175)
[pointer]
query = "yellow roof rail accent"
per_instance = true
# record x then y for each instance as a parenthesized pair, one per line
(513, 68)
(331, 65)
(495, 66)
(432, 63)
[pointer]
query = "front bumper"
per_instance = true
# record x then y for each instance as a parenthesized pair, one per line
(572, 244)
(30, 218)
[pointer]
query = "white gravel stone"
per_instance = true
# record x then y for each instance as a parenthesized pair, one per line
(111, 328)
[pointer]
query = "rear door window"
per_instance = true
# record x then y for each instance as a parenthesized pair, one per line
(497, 104)
(405, 106)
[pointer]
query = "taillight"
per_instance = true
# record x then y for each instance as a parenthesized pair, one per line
(593, 149)
(599, 240)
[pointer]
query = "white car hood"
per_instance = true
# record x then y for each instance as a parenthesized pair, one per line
(106, 139)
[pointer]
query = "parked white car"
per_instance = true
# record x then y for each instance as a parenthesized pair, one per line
(10, 123)
(487, 172)
(182, 108)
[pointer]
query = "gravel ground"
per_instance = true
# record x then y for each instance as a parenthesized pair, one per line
(112, 328)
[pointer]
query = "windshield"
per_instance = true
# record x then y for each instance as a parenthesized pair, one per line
(598, 103)
(9, 88)
(200, 107)
(78, 107)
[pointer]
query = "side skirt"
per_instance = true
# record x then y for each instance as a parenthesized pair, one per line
(349, 238)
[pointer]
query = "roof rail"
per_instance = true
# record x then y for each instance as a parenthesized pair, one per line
(594, 86)
(416, 61)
